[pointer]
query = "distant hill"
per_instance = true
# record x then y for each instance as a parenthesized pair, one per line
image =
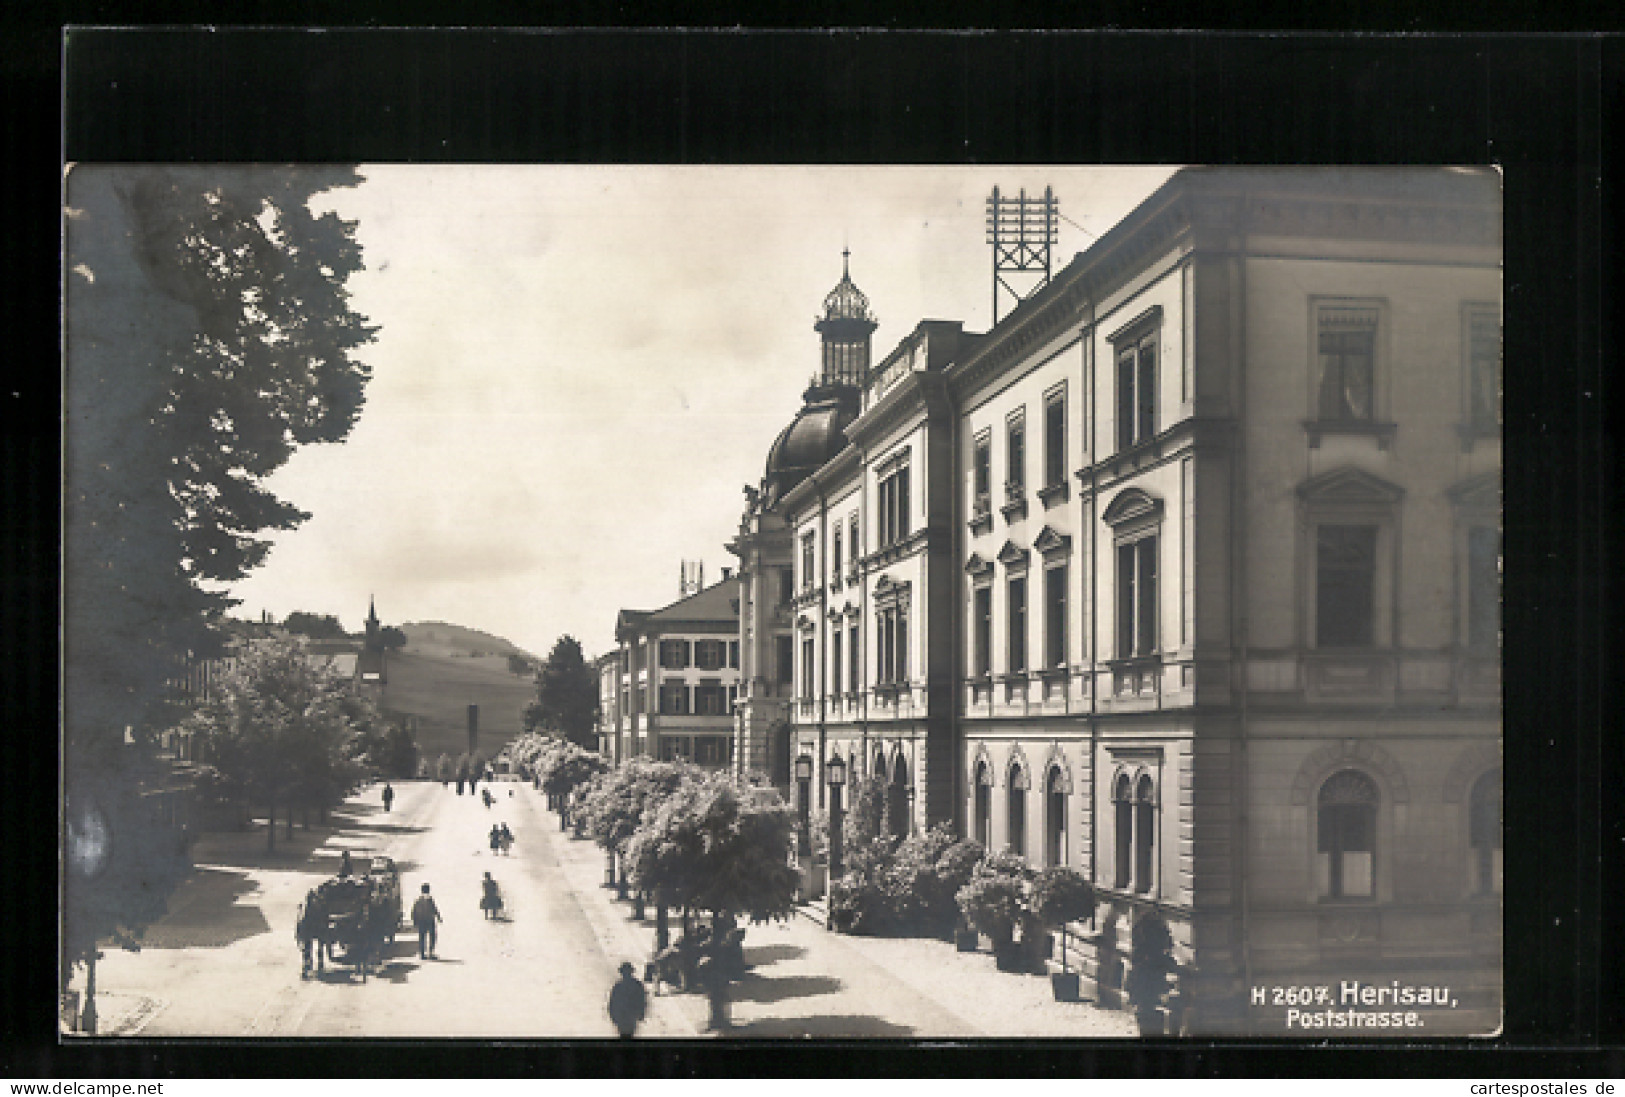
(443, 669)
(455, 640)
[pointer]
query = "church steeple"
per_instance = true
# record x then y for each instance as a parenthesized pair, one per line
(372, 622)
(845, 329)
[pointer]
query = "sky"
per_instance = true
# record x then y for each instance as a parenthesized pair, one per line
(578, 368)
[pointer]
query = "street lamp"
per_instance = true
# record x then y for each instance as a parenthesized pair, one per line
(835, 775)
(804, 774)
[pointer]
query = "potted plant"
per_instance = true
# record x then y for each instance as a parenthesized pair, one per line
(994, 901)
(1152, 964)
(1061, 895)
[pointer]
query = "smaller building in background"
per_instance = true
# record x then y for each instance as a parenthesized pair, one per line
(672, 680)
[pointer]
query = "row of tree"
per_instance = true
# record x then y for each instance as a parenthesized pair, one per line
(287, 732)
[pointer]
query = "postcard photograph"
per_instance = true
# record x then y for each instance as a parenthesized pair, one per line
(593, 601)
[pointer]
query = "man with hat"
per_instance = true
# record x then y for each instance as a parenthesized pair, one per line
(627, 1003)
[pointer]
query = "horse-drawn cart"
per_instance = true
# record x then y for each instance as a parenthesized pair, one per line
(361, 914)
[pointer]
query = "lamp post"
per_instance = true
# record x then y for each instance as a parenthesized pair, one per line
(804, 773)
(835, 774)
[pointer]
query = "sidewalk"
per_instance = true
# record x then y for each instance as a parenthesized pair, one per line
(806, 982)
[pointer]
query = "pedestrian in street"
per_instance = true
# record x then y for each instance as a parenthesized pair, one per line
(344, 864)
(496, 838)
(490, 897)
(424, 916)
(389, 795)
(308, 930)
(627, 1003)
(507, 839)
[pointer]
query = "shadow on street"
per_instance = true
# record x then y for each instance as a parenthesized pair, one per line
(210, 916)
(846, 1024)
(755, 988)
(758, 955)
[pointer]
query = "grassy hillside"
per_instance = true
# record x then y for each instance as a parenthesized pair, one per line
(438, 637)
(436, 685)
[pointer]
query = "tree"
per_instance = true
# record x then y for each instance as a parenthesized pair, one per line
(720, 846)
(317, 627)
(389, 751)
(208, 334)
(518, 664)
(283, 730)
(566, 695)
(391, 638)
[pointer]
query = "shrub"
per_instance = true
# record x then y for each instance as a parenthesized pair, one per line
(996, 899)
(1061, 895)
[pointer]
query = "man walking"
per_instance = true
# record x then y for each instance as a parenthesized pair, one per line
(627, 1003)
(424, 916)
(389, 795)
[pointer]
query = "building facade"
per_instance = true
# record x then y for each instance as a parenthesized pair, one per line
(674, 680)
(873, 605)
(1230, 584)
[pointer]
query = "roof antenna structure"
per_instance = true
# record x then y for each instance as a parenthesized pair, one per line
(691, 577)
(1022, 231)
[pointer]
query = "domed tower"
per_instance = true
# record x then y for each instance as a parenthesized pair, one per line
(814, 437)
(818, 432)
(845, 329)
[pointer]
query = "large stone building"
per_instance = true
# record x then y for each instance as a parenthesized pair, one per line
(1186, 575)
(674, 680)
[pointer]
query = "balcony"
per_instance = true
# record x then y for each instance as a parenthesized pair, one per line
(981, 513)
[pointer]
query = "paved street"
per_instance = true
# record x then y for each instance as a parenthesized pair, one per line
(224, 962)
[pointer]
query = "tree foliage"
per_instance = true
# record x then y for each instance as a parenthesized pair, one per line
(718, 845)
(316, 626)
(619, 801)
(285, 730)
(566, 695)
(391, 638)
(208, 334)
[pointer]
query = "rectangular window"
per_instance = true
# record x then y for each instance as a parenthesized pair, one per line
(982, 617)
(891, 645)
(674, 654)
(808, 690)
(673, 699)
(807, 573)
(709, 654)
(710, 700)
(1483, 587)
(1055, 440)
(1137, 598)
(835, 666)
(982, 482)
(856, 546)
(893, 505)
(1348, 363)
(1016, 455)
(787, 586)
(854, 659)
(835, 554)
(1137, 391)
(1017, 590)
(711, 750)
(1345, 585)
(733, 654)
(1055, 616)
(786, 652)
(1484, 368)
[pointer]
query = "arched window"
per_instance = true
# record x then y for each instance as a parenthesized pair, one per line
(1484, 833)
(897, 799)
(1123, 800)
(1054, 818)
(1017, 803)
(1346, 824)
(984, 806)
(879, 772)
(1145, 829)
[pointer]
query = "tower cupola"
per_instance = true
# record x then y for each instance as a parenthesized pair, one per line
(845, 329)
